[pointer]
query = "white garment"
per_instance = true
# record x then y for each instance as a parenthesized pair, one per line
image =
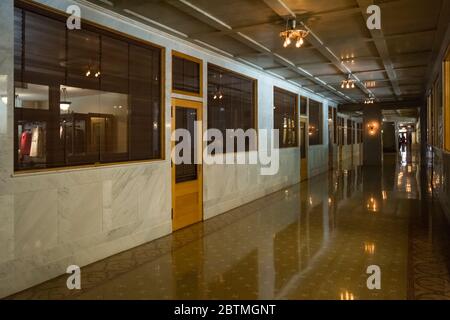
(37, 149)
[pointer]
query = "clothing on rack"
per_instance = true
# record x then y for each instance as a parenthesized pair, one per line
(37, 149)
(25, 143)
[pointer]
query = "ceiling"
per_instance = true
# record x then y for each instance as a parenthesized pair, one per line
(397, 58)
(401, 115)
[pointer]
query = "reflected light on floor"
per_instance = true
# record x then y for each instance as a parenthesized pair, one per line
(346, 295)
(400, 179)
(372, 205)
(404, 158)
(408, 187)
(369, 248)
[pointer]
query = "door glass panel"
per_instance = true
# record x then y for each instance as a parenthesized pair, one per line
(303, 140)
(185, 119)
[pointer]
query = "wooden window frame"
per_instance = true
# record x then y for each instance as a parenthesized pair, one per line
(296, 115)
(27, 5)
(255, 101)
(193, 59)
(446, 99)
(321, 122)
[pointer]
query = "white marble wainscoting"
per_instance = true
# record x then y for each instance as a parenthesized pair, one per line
(350, 152)
(318, 158)
(347, 152)
(54, 220)
(335, 156)
(229, 186)
(6, 228)
(441, 171)
(357, 152)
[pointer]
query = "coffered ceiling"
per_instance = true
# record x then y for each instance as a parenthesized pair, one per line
(397, 59)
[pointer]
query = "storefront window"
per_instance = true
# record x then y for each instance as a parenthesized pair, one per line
(315, 123)
(231, 103)
(84, 96)
(285, 117)
(447, 101)
(349, 132)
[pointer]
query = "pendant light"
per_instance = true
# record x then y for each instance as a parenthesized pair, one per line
(293, 33)
(64, 104)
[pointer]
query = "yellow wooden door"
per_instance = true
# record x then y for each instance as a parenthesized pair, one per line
(187, 178)
(303, 150)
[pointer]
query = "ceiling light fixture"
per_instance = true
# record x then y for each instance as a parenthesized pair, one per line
(64, 104)
(370, 84)
(370, 100)
(293, 34)
(348, 84)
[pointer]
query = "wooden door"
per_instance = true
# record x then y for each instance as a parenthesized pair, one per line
(303, 150)
(187, 178)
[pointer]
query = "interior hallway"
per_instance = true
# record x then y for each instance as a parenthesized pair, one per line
(312, 241)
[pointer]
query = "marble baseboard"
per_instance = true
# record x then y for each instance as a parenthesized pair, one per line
(229, 186)
(214, 208)
(441, 167)
(21, 274)
(49, 221)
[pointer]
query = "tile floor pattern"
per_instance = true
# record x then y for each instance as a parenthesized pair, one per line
(312, 241)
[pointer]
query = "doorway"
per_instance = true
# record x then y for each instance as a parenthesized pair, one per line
(303, 150)
(187, 178)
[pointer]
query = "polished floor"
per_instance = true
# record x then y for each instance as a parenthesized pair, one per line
(312, 241)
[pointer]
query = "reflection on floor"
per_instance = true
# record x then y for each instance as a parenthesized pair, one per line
(312, 241)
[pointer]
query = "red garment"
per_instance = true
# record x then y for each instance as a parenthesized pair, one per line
(25, 143)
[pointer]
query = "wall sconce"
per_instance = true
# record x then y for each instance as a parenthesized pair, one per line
(372, 128)
(311, 130)
(5, 99)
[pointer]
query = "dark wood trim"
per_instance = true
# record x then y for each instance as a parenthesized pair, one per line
(200, 64)
(296, 114)
(86, 24)
(101, 31)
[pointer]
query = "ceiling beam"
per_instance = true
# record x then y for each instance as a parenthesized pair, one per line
(317, 43)
(205, 17)
(428, 33)
(251, 54)
(375, 70)
(440, 44)
(386, 105)
(299, 65)
(280, 20)
(280, 8)
(382, 48)
(352, 40)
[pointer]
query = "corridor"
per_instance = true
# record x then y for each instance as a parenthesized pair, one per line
(312, 241)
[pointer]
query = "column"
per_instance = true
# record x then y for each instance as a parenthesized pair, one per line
(372, 117)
